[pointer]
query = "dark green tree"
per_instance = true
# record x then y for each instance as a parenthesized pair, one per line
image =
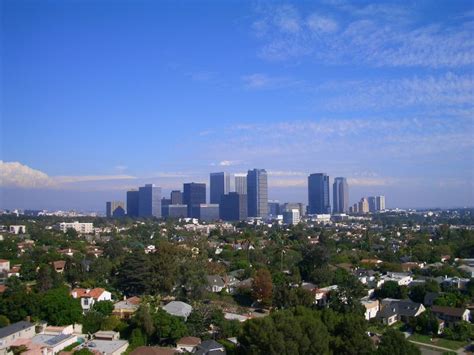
(394, 342)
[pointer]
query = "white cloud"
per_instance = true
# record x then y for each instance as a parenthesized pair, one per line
(263, 81)
(375, 34)
(229, 162)
(318, 24)
(15, 174)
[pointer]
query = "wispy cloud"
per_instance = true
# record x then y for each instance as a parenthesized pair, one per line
(262, 81)
(369, 36)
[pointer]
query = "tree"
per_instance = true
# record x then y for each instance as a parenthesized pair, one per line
(262, 287)
(391, 289)
(167, 327)
(134, 274)
(425, 323)
(104, 307)
(47, 278)
(59, 308)
(137, 338)
(298, 331)
(143, 319)
(4, 321)
(394, 342)
(92, 321)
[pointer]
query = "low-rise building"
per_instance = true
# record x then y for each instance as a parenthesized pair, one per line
(450, 314)
(13, 332)
(188, 344)
(90, 296)
(126, 308)
(79, 227)
(178, 309)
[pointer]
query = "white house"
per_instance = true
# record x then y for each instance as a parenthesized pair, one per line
(371, 307)
(18, 229)
(90, 296)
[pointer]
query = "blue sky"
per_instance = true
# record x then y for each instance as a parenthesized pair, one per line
(101, 96)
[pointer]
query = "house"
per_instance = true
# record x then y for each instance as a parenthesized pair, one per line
(371, 307)
(469, 269)
(210, 347)
(46, 344)
(126, 308)
(450, 314)
(90, 296)
(13, 332)
(401, 278)
(371, 261)
(459, 283)
(19, 229)
(393, 310)
(178, 309)
(321, 295)
(59, 266)
(105, 347)
(4, 265)
(215, 283)
(188, 344)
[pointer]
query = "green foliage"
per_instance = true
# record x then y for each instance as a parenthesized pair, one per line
(461, 331)
(425, 323)
(4, 321)
(83, 351)
(59, 308)
(104, 307)
(137, 338)
(92, 321)
(168, 327)
(391, 289)
(393, 342)
(285, 332)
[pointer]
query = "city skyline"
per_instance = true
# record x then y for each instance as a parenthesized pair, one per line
(99, 100)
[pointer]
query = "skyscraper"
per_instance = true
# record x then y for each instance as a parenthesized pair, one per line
(372, 203)
(380, 203)
(340, 195)
(176, 197)
(115, 209)
(233, 207)
(132, 203)
(220, 185)
(363, 206)
(149, 201)
(257, 193)
(241, 184)
(318, 194)
(194, 194)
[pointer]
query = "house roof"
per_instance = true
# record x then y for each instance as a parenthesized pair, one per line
(59, 264)
(209, 347)
(191, 341)
(93, 293)
(153, 350)
(14, 328)
(402, 307)
(178, 308)
(449, 311)
(215, 280)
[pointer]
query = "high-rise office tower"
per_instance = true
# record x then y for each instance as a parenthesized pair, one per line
(288, 206)
(115, 209)
(165, 202)
(241, 184)
(274, 208)
(220, 185)
(340, 195)
(176, 197)
(149, 201)
(372, 203)
(132, 203)
(233, 207)
(380, 203)
(257, 193)
(291, 216)
(318, 194)
(194, 194)
(363, 206)
(208, 212)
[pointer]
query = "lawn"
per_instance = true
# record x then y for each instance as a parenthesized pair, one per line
(444, 343)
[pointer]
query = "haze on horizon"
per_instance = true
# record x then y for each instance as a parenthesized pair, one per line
(98, 98)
